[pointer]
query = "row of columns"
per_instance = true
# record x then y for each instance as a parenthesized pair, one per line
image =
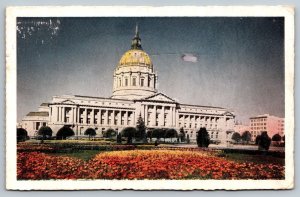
(75, 115)
(193, 121)
(170, 119)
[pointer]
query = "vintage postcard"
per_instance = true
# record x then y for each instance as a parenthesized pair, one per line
(150, 98)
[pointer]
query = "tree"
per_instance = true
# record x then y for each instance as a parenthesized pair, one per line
(236, 137)
(64, 132)
(257, 139)
(246, 136)
(187, 138)
(22, 135)
(276, 138)
(45, 132)
(129, 132)
(90, 132)
(264, 142)
(109, 133)
(182, 134)
(203, 137)
(171, 133)
(141, 129)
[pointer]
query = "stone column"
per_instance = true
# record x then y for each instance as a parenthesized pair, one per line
(63, 114)
(126, 118)
(85, 116)
(170, 117)
(99, 117)
(146, 115)
(106, 117)
(59, 114)
(71, 115)
(134, 121)
(74, 115)
(154, 114)
(93, 116)
(56, 114)
(163, 115)
(113, 117)
(174, 116)
(119, 117)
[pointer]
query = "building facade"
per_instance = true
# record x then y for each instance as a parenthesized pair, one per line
(134, 94)
(240, 128)
(272, 124)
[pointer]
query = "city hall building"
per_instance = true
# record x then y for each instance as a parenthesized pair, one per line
(134, 94)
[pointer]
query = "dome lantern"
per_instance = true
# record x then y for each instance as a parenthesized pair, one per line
(136, 41)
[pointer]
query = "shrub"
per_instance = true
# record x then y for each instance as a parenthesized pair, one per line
(129, 132)
(45, 132)
(246, 136)
(64, 132)
(109, 133)
(157, 133)
(90, 132)
(264, 142)
(276, 138)
(171, 133)
(22, 135)
(236, 137)
(203, 137)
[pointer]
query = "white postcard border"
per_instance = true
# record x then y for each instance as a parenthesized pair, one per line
(145, 11)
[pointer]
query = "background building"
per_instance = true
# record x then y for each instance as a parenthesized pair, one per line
(241, 128)
(272, 124)
(134, 94)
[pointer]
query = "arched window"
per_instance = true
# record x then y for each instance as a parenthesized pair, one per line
(120, 82)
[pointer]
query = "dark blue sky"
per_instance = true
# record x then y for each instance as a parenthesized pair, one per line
(240, 60)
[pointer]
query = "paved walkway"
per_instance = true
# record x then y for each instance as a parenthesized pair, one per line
(224, 146)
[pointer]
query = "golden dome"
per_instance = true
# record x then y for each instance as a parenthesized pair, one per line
(135, 57)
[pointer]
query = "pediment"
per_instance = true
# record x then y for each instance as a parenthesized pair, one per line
(227, 113)
(68, 102)
(159, 97)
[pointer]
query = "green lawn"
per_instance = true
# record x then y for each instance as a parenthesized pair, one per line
(261, 159)
(80, 154)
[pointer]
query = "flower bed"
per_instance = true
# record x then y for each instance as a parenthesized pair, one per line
(143, 164)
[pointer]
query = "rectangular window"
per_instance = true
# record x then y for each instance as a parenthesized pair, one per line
(126, 82)
(134, 81)
(142, 82)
